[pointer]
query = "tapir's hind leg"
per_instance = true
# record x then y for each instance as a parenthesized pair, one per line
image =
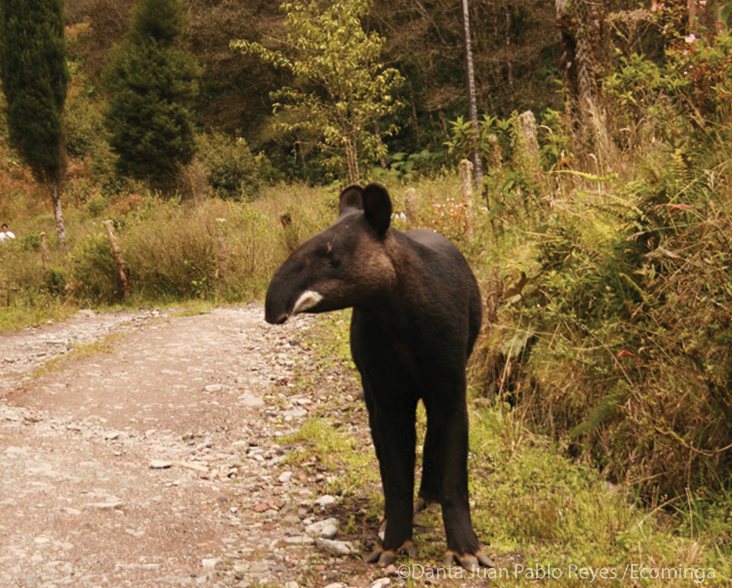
(429, 488)
(447, 425)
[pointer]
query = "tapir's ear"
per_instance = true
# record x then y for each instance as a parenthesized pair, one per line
(350, 199)
(377, 207)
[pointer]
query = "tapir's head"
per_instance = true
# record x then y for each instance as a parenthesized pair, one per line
(345, 265)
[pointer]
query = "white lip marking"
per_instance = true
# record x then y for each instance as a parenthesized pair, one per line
(307, 300)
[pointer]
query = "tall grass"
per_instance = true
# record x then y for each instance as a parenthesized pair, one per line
(175, 251)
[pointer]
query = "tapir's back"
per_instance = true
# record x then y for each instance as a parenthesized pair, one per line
(448, 269)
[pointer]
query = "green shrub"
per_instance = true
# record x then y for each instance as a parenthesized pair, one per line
(212, 250)
(621, 340)
(84, 126)
(56, 281)
(21, 267)
(231, 169)
(30, 241)
(684, 98)
(95, 279)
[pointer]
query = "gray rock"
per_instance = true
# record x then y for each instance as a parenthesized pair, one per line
(317, 529)
(299, 540)
(335, 547)
(325, 501)
(110, 505)
(248, 399)
(295, 412)
(260, 567)
(148, 567)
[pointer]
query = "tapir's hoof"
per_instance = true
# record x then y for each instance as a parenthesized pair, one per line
(423, 504)
(469, 561)
(384, 557)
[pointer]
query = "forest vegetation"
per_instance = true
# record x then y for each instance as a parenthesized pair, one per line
(215, 137)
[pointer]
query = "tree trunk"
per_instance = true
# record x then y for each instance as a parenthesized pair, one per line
(586, 51)
(58, 215)
(472, 100)
(693, 6)
(351, 152)
(415, 118)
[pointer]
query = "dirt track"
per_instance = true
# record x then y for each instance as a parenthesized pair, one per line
(148, 456)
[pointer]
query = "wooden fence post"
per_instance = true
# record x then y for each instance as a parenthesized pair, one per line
(410, 206)
(466, 187)
(44, 255)
(223, 252)
(122, 267)
(528, 140)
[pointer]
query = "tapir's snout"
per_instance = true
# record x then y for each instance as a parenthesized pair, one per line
(276, 319)
(292, 289)
(277, 304)
(278, 308)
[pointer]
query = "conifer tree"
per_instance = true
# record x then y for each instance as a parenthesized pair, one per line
(35, 81)
(151, 84)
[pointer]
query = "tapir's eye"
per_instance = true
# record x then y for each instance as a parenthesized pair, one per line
(323, 251)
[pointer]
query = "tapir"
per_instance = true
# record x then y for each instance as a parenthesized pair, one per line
(416, 315)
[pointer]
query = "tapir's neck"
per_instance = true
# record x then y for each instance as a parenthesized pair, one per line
(404, 285)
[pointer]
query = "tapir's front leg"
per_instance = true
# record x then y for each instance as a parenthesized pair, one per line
(393, 430)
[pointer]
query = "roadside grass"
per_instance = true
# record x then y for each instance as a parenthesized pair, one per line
(179, 253)
(544, 515)
(333, 440)
(196, 308)
(79, 353)
(31, 309)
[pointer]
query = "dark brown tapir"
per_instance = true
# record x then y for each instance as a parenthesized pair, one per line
(416, 315)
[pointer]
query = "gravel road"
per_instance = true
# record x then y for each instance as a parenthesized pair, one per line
(140, 449)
